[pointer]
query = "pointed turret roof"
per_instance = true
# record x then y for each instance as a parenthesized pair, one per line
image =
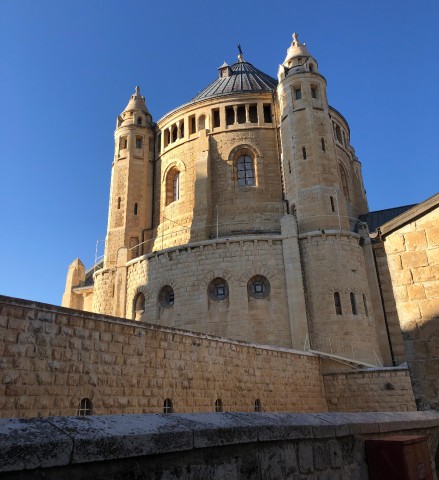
(137, 102)
(296, 49)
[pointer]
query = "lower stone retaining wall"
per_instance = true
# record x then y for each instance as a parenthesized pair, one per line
(377, 390)
(232, 446)
(52, 357)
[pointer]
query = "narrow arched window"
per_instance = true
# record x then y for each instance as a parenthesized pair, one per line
(135, 209)
(139, 306)
(118, 203)
(337, 303)
(353, 303)
(85, 407)
(218, 405)
(344, 181)
(139, 121)
(338, 133)
(176, 186)
(366, 310)
(167, 406)
(258, 407)
(172, 186)
(245, 171)
(323, 145)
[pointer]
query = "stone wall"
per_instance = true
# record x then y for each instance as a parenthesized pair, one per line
(232, 446)
(412, 251)
(378, 390)
(52, 357)
(189, 271)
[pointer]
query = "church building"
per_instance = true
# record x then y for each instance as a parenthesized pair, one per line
(241, 214)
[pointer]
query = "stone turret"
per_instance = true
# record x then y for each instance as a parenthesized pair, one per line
(321, 192)
(130, 212)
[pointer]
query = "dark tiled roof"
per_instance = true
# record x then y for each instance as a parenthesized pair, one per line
(244, 78)
(89, 282)
(380, 217)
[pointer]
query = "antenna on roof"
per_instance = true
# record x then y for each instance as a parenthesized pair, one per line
(240, 58)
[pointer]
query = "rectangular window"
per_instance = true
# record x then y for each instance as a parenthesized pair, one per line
(323, 145)
(297, 93)
(267, 113)
(182, 129)
(159, 142)
(314, 91)
(304, 153)
(253, 113)
(241, 114)
(230, 116)
(166, 139)
(332, 203)
(216, 118)
(138, 142)
(192, 124)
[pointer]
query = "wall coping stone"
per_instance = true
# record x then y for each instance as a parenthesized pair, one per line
(403, 367)
(60, 441)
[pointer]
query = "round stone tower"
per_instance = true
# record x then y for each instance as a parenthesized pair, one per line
(130, 208)
(324, 191)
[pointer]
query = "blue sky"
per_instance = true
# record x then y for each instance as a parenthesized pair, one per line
(69, 67)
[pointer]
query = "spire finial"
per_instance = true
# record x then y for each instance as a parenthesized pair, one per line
(240, 57)
(137, 90)
(295, 38)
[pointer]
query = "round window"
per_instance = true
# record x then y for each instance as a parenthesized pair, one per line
(166, 296)
(258, 287)
(218, 289)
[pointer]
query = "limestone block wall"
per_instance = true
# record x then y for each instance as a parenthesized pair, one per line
(52, 357)
(189, 270)
(333, 262)
(378, 390)
(413, 265)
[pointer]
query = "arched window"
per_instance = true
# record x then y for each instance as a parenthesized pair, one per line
(167, 406)
(139, 121)
(338, 133)
(258, 407)
(344, 181)
(218, 405)
(337, 303)
(366, 310)
(139, 306)
(245, 171)
(353, 303)
(258, 287)
(85, 407)
(218, 289)
(172, 186)
(166, 296)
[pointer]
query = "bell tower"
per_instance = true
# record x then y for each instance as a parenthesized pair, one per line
(310, 167)
(323, 188)
(130, 211)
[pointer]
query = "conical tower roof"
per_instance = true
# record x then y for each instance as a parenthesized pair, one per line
(136, 103)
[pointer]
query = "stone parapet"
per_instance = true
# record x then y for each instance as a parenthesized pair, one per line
(207, 446)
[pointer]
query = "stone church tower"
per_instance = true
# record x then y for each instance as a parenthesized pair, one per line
(236, 214)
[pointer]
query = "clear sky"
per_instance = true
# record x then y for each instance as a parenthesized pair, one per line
(69, 67)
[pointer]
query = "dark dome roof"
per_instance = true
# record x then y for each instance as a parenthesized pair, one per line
(243, 78)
